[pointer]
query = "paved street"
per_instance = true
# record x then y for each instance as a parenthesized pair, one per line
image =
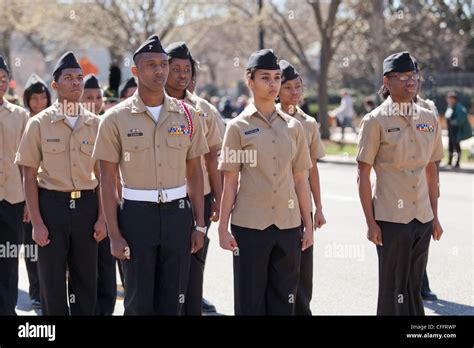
(345, 263)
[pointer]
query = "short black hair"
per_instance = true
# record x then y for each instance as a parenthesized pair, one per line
(250, 73)
(28, 93)
(383, 92)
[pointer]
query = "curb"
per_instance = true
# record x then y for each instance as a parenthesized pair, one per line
(352, 161)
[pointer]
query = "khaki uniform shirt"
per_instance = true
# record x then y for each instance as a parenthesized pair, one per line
(63, 154)
(400, 147)
(313, 139)
(208, 116)
(12, 124)
(151, 155)
(427, 104)
(266, 153)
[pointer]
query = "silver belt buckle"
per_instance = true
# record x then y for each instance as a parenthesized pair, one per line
(162, 197)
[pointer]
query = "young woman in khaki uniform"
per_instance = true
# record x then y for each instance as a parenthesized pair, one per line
(402, 142)
(264, 158)
(36, 98)
(291, 92)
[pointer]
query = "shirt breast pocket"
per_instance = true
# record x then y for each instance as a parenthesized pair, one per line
(177, 148)
(54, 156)
(86, 156)
(392, 146)
(135, 154)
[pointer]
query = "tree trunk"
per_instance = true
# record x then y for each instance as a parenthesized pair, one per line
(323, 89)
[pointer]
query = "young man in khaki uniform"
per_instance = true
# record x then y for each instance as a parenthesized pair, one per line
(264, 158)
(182, 68)
(63, 197)
(157, 142)
(12, 123)
(402, 142)
(290, 95)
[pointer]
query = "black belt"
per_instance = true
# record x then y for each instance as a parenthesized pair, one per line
(66, 195)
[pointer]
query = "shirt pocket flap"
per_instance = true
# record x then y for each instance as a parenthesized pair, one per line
(87, 149)
(178, 142)
(135, 145)
(54, 148)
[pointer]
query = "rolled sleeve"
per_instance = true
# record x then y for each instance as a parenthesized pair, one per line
(437, 153)
(198, 142)
(107, 144)
(302, 159)
(213, 136)
(369, 140)
(232, 142)
(316, 148)
(29, 150)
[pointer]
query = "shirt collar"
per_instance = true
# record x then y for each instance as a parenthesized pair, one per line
(58, 114)
(138, 106)
(390, 108)
(251, 110)
(7, 105)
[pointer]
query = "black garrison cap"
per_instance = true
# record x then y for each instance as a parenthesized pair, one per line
(3, 65)
(399, 62)
(35, 84)
(152, 44)
(178, 50)
(263, 59)
(91, 82)
(288, 71)
(67, 61)
(129, 84)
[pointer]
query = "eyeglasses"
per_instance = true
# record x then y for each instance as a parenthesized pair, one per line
(405, 78)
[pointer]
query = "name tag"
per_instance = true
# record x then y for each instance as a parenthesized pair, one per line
(390, 130)
(53, 140)
(134, 133)
(253, 131)
(425, 127)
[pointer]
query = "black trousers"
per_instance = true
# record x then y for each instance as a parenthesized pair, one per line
(70, 225)
(31, 263)
(266, 270)
(305, 281)
(106, 280)
(454, 144)
(159, 237)
(402, 262)
(10, 230)
(193, 304)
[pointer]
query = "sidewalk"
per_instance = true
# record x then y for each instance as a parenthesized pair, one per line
(351, 138)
